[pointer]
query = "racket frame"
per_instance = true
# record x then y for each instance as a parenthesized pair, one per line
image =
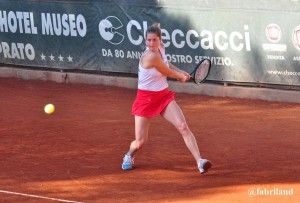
(192, 74)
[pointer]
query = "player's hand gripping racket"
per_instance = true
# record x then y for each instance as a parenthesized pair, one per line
(201, 71)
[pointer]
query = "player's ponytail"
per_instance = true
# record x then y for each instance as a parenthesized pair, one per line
(154, 29)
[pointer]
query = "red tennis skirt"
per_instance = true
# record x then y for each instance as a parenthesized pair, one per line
(150, 103)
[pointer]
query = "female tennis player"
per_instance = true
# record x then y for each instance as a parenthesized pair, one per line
(154, 98)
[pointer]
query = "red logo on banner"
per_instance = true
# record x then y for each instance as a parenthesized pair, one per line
(296, 37)
(273, 33)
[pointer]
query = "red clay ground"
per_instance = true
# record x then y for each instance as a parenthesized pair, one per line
(75, 154)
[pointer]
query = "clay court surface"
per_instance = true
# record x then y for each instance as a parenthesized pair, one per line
(75, 154)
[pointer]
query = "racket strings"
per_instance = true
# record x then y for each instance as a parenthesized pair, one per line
(201, 72)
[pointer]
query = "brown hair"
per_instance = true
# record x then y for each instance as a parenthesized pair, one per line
(154, 29)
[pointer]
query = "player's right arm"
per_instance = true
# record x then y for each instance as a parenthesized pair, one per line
(171, 66)
(152, 59)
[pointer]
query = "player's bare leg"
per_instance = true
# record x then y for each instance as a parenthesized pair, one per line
(142, 125)
(174, 115)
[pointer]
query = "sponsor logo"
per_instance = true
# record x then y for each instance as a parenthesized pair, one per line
(296, 37)
(274, 34)
(109, 30)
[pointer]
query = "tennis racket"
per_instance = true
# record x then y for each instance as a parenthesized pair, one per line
(201, 71)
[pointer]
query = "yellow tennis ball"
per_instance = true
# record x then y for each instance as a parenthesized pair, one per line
(49, 108)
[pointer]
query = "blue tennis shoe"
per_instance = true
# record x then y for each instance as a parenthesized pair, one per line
(128, 162)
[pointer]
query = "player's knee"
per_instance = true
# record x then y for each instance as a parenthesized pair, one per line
(183, 128)
(140, 143)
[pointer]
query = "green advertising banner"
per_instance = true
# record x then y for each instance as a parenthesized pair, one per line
(244, 45)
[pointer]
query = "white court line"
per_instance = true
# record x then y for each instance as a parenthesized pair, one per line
(36, 196)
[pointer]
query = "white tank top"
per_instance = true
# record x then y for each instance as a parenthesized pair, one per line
(151, 79)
